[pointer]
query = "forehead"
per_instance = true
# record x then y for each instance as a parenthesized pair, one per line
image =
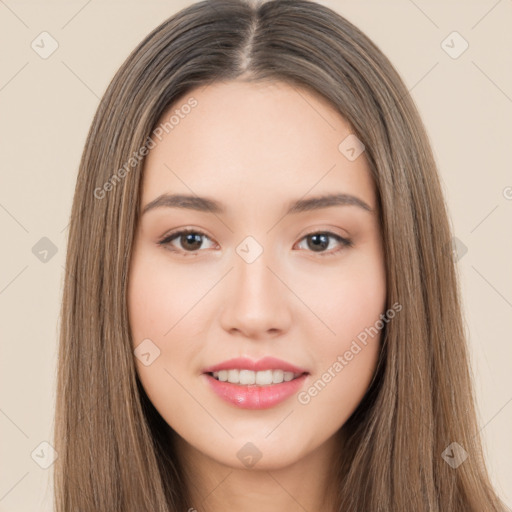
(247, 139)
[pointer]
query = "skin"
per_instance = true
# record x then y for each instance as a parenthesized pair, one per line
(256, 148)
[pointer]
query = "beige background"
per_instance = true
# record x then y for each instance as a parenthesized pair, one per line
(47, 106)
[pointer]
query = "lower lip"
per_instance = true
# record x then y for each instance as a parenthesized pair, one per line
(253, 396)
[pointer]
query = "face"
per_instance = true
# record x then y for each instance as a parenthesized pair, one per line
(257, 276)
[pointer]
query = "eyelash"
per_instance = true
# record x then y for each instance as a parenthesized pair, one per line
(345, 242)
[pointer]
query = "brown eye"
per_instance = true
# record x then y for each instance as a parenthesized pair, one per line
(319, 241)
(190, 241)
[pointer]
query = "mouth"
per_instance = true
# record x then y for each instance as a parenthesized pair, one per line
(253, 390)
(249, 384)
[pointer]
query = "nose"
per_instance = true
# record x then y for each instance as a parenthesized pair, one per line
(257, 300)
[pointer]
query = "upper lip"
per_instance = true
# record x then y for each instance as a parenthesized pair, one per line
(243, 363)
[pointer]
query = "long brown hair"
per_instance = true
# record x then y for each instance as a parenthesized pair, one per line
(113, 451)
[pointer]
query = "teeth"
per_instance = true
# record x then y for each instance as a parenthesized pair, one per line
(262, 378)
(233, 376)
(277, 376)
(287, 376)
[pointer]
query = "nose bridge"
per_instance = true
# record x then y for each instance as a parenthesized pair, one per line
(256, 298)
(252, 274)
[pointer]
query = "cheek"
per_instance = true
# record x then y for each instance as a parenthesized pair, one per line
(159, 298)
(347, 299)
(344, 364)
(158, 302)
(346, 354)
(166, 313)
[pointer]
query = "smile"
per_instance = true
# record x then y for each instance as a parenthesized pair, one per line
(255, 396)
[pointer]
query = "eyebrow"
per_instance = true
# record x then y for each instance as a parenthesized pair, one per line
(205, 204)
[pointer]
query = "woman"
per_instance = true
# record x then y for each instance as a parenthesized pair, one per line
(306, 351)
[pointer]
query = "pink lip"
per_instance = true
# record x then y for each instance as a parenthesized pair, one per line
(243, 363)
(255, 397)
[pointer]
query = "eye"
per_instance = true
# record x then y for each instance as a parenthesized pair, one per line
(319, 240)
(190, 238)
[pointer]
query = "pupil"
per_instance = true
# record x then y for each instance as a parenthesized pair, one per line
(319, 243)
